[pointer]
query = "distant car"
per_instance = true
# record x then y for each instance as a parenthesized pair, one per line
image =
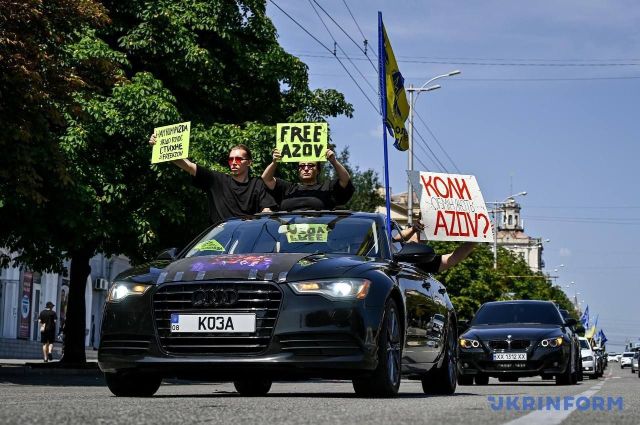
(600, 359)
(612, 357)
(589, 361)
(626, 359)
(512, 339)
(634, 362)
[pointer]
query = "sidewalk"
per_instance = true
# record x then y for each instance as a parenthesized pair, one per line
(39, 367)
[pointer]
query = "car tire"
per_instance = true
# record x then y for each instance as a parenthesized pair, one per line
(566, 377)
(482, 379)
(465, 379)
(384, 382)
(444, 380)
(256, 387)
(132, 384)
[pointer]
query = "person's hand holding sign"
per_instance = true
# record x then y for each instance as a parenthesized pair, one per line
(276, 156)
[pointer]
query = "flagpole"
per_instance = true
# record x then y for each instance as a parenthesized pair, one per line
(382, 75)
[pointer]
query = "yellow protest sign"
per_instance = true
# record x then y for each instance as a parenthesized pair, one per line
(302, 142)
(211, 245)
(172, 142)
(307, 233)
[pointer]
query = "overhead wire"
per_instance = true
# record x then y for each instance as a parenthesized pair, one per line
(424, 146)
(364, 39)
(437, 141)
(335, 43)
(330, 51)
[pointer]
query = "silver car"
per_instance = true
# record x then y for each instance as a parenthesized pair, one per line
(626, 358)
(634, 362)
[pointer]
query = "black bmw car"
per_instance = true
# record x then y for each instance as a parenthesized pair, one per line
(512, 339)
(283, 296)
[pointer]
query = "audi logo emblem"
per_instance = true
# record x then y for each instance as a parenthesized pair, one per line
(214, 297)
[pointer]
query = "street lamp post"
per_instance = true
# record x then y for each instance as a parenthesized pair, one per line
(412, 101)
(499, 206)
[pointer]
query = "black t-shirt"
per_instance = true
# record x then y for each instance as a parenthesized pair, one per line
(229, 198)
(431, 266)
(320, 196)
(48, 317)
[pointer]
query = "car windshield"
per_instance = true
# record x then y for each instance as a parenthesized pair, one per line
(584, 344)
(327, 234)
(517, 313)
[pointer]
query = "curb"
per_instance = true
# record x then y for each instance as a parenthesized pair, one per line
(39, 369)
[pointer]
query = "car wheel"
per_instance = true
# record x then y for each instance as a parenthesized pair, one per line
(482, 379)
(465, 380)
(444, 380)
(253, 387)
(565, 378)
(132, 384)
(385, 380)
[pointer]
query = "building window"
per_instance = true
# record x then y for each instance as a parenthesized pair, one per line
(510, 217)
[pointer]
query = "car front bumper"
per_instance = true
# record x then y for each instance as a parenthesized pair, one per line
(548, 361)
(308, 336)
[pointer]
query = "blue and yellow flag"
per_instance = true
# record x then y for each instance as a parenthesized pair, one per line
(396, 97)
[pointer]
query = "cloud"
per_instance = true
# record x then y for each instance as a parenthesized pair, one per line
(565, 252)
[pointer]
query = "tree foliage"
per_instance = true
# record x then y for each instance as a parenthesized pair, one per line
(92, 97)
(474, 281)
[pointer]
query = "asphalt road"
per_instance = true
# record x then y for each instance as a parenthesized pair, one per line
(85, 399)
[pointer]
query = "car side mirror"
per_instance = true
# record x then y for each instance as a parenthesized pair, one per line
(413, 252)
(570, 322)
(167, 254)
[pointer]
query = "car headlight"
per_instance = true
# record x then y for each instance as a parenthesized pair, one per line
(587, 359)
(552, 342)
(335, 289)
(121, 290)
(469, 343)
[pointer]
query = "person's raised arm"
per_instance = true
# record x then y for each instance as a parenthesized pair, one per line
(459, 254)
(269, 173)
(184, 164)
(341, 172)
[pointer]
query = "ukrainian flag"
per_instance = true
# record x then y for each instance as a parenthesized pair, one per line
(396, 97)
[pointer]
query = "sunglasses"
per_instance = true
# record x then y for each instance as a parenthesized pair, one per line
(306, 166)
(236, 160)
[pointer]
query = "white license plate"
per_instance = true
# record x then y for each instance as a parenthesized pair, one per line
(213, 323)
(509, 356)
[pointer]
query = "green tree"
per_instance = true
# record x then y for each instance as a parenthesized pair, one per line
(214, 63)
(474, 281)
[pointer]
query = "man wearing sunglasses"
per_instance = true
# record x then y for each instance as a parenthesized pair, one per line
(309, 194)
(234, 195)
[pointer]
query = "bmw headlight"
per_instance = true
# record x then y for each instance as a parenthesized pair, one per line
(552, 342)
(469, 343)
(121, 290)
(335, 289)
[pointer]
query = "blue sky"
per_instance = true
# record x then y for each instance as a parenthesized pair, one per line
(546, 103)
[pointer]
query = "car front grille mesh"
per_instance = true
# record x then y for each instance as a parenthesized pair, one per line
(516, 344)
(261, 298)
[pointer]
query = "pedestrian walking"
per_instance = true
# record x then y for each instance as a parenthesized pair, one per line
(47, 320)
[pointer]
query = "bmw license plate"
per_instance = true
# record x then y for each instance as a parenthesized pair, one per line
(213, 323)
(509, 356)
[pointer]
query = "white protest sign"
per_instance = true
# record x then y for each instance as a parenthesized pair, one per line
(452, 207)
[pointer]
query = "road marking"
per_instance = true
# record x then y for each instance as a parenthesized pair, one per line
(554, 417)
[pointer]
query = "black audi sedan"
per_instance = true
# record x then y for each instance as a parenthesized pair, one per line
(283, 296)
(512, 339)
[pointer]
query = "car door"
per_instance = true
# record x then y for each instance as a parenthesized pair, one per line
(437, 328)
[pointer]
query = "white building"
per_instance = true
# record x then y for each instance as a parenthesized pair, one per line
(24, 294)
(511, 236)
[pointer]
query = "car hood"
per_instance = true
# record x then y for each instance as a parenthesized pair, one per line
(274, 267)
(531, 332)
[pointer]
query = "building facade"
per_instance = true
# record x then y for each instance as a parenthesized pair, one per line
(24, 294)
(510, 235)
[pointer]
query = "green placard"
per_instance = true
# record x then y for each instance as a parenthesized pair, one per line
(307, 233)
(211, 245)
(172, 142)
(302, 142)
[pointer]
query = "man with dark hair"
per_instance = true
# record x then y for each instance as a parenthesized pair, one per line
(309, 193)
(232, 195)
(47, 321)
